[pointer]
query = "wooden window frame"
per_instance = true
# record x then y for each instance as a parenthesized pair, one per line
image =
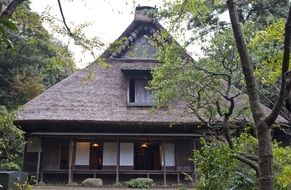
(137, 104)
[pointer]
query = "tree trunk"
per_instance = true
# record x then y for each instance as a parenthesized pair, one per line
(263, 132)
(10, 8)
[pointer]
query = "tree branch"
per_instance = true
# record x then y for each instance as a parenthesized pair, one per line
(270, 119)
(248, 162)
(252, 157)
(64, 20)
(11, 8)
(243, 159)
(246, 62)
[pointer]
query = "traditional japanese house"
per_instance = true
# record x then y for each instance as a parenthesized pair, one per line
(99, 122)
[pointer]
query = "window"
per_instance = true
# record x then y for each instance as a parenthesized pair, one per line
(82, 154)
(139, 94)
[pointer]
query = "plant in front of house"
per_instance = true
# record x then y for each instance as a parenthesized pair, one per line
(11, 142)
(219, 169)
(141, 183)
(24, 186)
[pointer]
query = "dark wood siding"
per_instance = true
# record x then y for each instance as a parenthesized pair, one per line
(30, 161)
(183, 153)
(51, 155)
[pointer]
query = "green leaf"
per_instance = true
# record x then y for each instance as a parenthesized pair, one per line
(8, 24)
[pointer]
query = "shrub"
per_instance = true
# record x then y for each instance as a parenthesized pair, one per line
(218, 168)
(11, 141)
(142, 183)
(24, 186)
(182, 188)
(9, 166)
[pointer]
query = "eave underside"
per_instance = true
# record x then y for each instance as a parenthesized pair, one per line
(89, 127)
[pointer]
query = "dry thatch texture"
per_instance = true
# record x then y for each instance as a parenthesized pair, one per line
(97, 94)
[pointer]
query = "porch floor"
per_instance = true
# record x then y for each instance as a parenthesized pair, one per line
(64, 187)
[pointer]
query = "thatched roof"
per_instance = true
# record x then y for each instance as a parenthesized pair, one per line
(99, 95)
(101, 98)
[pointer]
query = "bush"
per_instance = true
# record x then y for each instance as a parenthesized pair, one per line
(9, 166)
(219, 169)
(182, 188)
(142, 183)
(24, 186)
(215, 164)
(11, 142)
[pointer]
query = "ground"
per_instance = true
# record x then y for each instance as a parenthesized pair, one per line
(47, 187)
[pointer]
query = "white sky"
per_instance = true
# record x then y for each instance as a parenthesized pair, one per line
(109, 18)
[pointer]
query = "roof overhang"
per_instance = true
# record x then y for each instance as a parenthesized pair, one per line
(85, 126)
(136, 72)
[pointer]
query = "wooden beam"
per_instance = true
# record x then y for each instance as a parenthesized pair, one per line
(71, 148)
(117, 134)
(117, 162)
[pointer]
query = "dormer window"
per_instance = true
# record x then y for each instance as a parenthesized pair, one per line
(139, 93)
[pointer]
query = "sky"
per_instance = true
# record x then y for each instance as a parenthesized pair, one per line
(108, 18)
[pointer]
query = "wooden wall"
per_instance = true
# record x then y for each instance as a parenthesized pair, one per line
(183, 153)
(30, 161)
(52, 153)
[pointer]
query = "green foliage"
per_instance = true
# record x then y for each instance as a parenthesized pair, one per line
(218, 167)
(215, 163)
(282, 163)
(36, 61)
(268, 59)
(9, 166)
(262, 24)
(182, 188)
(200, 85)
(11, 142)
(5, 26)
(90, 45)
(24, 186)
(138, 183)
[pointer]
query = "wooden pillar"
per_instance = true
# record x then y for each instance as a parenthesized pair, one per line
(38, 161)
(117, 162)
(71, 149)
(178, 178)
(194, 178)
(38, 166)
(164, 161)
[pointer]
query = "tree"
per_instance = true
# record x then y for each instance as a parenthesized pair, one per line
(11, 147)
(207, 18)
(262, 123)
(219, 168)
(36, 61)
(76, 33)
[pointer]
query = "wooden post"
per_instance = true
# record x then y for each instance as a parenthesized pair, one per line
(164, 161)
(38, 161)
(194, 178)
(38, 166)
(117, 162)
(71, 149)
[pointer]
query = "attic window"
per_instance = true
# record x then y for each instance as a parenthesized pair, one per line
(139, 93)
